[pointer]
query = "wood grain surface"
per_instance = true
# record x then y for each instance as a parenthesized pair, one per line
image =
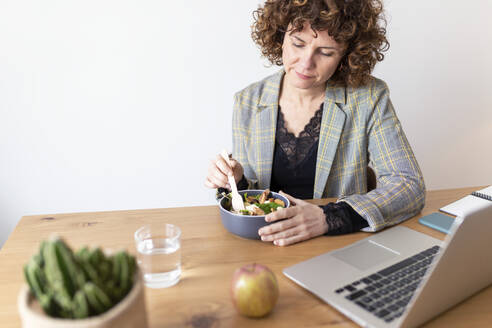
(210, 255)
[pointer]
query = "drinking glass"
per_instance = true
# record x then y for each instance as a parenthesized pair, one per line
(159, 254)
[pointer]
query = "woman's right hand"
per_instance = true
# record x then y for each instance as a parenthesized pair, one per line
(218, 171)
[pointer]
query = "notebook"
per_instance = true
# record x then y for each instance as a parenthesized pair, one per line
(474, 200)
(400, 277)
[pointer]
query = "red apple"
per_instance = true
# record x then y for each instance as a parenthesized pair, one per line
(254, 290)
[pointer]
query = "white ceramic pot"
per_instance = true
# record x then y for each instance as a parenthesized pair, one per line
(128, 313)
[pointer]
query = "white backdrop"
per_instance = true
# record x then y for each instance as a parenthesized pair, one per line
(110, 105)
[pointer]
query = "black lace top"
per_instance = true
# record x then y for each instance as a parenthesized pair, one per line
(294, 169)
(294, 159)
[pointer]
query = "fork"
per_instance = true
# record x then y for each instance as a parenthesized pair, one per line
(237, 200)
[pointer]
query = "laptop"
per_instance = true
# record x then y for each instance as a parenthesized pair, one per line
(400, 277)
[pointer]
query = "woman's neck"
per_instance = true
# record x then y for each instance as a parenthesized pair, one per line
(301, 98)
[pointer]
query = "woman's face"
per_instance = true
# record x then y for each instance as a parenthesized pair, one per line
(310, 60)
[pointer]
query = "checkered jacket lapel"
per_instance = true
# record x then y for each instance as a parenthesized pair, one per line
(331, 129)
(266, 123)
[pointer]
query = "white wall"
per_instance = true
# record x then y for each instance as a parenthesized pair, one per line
(108, 105)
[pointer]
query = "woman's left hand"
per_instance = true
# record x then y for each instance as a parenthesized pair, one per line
(303, 221)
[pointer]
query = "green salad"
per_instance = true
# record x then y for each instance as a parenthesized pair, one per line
(261, 204)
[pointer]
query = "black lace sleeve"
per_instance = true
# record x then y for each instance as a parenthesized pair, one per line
(342, 219)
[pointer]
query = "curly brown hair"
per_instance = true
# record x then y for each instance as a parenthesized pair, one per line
(358, 24)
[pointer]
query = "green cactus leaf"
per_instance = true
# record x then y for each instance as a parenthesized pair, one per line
(125, 271)
(70, 266)
(105, 270)
(30, 282)
(80, 305)
(97, 304)
(55, 275)
(133, 266)
(41, 248)
(64, 303)
(48, 304)
(82, 253)
(96, 257)
(116, 269)
(33, 275)
(90, 272)
(103, 298)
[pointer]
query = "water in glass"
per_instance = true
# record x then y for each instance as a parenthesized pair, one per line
(160, 260)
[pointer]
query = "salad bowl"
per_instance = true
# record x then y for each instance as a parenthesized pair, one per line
(244, 225)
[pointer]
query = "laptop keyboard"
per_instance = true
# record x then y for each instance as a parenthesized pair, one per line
(386, 293)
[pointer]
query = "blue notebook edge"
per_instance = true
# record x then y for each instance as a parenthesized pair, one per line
(441, 226)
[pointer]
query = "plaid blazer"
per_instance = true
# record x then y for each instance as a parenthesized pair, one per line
(359, 128)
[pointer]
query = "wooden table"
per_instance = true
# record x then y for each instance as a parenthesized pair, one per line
(209, 257)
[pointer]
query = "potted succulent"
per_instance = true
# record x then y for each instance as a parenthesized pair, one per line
(87, 288)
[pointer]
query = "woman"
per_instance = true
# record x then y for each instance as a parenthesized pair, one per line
(312, 129)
